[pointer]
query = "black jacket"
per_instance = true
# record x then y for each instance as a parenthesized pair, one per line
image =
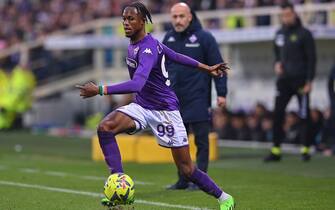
(193, 87)
(331, 88)
(295, 48)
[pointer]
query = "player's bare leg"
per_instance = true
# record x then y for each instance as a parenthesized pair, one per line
(116, 122)
(184, 164)
(182, 159)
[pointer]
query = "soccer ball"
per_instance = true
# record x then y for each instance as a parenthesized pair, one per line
(119, 189)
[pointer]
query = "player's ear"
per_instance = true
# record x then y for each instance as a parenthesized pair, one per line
(190, 17)
(143, 21)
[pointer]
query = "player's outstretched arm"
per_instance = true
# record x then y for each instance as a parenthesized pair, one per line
(216, 70)
(146, 62)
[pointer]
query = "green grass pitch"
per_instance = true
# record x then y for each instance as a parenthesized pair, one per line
(42, 172)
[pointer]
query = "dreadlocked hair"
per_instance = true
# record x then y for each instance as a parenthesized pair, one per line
(140, 7)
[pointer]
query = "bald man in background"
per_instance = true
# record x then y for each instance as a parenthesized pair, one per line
(193, 88)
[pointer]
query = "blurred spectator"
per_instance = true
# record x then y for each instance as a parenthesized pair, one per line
(240, 130)
(292, 128)
(316, 126)
(4, 84)
(16, 98)
(260, 111)
(267, 128)
(254, 122)
(254, 125)
(235, 21)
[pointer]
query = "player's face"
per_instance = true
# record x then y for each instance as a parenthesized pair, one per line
(288, 16)
(132, 21)
(181, 18)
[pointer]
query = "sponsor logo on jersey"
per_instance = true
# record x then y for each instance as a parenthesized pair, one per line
(131, 63)
(192, 44)
(147, 51)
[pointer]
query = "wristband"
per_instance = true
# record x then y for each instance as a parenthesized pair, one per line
(101, 90)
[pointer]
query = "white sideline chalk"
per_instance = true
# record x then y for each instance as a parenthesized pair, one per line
(93, 194)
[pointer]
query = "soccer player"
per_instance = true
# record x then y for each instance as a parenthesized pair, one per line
(156, 105)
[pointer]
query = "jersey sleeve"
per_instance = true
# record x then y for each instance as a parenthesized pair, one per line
(179, 58)
(147, 59)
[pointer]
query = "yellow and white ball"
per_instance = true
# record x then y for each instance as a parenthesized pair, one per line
(119, 189)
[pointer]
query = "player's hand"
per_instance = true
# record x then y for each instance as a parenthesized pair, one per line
(279, 68)
(88, 90)
(218, 70)
(307, 88)
(221, 101)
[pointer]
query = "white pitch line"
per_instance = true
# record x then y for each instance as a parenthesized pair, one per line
(56, 173)
(93, 194)
(143, 183)
(29, 170)
(54, 189)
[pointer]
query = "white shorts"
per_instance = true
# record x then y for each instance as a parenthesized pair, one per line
(167, 126)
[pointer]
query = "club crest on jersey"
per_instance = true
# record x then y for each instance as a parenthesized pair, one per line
(147, 51)
(293, 38)
(131, 63)
(171, 39)
(136, 50)
(193, 38)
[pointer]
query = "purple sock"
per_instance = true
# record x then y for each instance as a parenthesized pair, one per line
(205, 183)
(111, 151)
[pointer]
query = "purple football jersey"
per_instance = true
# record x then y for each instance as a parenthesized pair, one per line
(149, 78)
(156, 93)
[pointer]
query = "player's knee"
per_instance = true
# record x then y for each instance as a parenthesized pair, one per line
(106, 126)
(102, 127)
(186, 170)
